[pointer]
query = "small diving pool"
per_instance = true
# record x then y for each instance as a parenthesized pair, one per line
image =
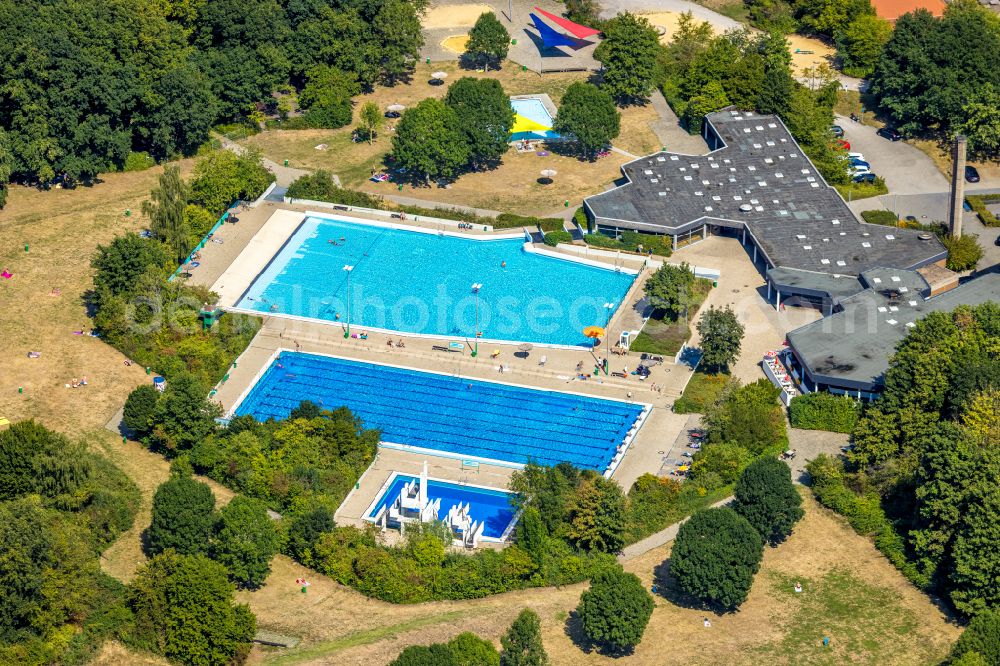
(490, 506)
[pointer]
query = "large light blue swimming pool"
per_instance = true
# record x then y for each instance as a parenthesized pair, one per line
(422, 283)
(491, 507)
(465, 417)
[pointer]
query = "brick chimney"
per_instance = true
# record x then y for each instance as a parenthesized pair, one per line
(957, 186)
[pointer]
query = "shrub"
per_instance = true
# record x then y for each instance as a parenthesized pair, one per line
(982, 637)
(580, 218)
(615, 610)
(183, 515)
(553, 238)
(522, 644)
(964, 252)
(715, 557)
(319, 186)
(631, 241)
(223, 177)
(138, 161)
(823, 411)
(723, 459)
(184, 610)
(766, 497)
(245, 541)
(140, 408)
(977, 202)
(882, 217)
(449, 214)
(651, 502)
(510, 220)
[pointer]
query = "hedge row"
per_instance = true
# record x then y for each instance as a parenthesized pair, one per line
(553, 238)
(863, 512)
(886, 218)
(631, 241)
(510, 220)
(823, 411)
(977, 202)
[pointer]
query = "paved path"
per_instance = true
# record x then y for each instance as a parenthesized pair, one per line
(424, 203)
(718, 21)
(660, 538)
(668, 129)
(283, 175)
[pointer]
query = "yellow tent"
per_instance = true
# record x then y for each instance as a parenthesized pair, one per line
(524, 124)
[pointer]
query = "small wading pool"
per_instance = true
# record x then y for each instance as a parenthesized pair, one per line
(487, 505)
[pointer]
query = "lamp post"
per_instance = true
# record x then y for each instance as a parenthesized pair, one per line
(610, 307)
(475, 290)
(347, 331)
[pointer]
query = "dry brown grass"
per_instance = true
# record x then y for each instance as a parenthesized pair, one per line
(63, 228)
(511, 187)
(852, 594)
(114, 653)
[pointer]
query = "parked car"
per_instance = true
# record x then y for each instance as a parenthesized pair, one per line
(856, 156)
(857, 171)
(971, 174)
(843, 144)
(837, 131)
(889, 133)
(868, 177)
(997, 241)
(855, 162)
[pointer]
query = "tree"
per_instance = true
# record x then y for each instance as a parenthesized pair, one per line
(488, 40)
(140, 408)
(615, 610)
(975, 573)
(628, 54)
(437, 654)
(860, 45)
(184, 414)
(980, 122)
(712, 98)
(727, 460)
(531, 534)
(669, 288)
(399, 38)
(306, 529)
(179, 114)
(981, 637)
(327, 97)
(597, 516)
(119, 264)
(522, 644)
(429, 141)
(765, 496)
(715, 556)
(721, 337)
(471, 650)
(245, 541)
(371, 120)
(484, 114)
(964, 252)
(166, 212)
(223, 177)
(982, 416)
(183, 608)
(183, 516)
(588, 114)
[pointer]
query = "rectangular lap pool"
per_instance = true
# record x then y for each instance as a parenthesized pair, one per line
(421, 283)
(462, 417)
(486, 505)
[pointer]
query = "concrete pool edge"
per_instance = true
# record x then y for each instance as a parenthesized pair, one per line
(380, 494)
(613, 465)
(273, 237)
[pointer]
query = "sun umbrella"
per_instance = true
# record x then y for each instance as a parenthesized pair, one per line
(548, 173)
(395, 108)
(524, 347)
(593, 331)
(439, 76)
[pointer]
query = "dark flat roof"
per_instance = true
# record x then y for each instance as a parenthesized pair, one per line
(851, 348)
(759, 180)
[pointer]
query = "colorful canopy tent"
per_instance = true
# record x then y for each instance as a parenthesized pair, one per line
(575, 29)
(551, 38)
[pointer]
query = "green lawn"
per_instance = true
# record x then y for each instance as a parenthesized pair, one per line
(701, 392)
(665, 333)
(865, 623)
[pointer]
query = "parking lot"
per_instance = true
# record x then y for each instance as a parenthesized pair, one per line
(905, 169)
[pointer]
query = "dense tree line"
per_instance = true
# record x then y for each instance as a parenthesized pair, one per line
(61, 506)
(705, 73)
(521, 646)
(923, 473)
(84, 83)
(943, 74)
